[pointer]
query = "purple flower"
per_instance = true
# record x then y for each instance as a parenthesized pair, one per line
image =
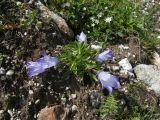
(82, 37)
(48, 61)
(104, 56)
(108, 81)
(41, 64)
(34, 68)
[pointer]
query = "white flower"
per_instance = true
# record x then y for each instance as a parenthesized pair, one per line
(84, 8)
(158, 36)
(92, 19)
(92, 24)
(106, 8)
(99, 15)
(82, 37)
(97, 21)
(108, 19)
(18, 3)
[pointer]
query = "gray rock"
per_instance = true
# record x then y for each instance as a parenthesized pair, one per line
(10, 113)
(156, 57)
(63, 100)
(73, 96)
(124, 63)
(2, 71)
(74, 108)
(115, 68)
(10, 72)
(149, 74)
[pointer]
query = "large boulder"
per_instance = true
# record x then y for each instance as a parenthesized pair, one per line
(149, 74)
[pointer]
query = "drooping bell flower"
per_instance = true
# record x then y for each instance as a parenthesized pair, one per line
(104, 56)
(108, 81)
(40, 65)
(47, 61)
(82, 37)
(34, 68)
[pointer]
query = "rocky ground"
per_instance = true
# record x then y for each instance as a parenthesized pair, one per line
(23, 98)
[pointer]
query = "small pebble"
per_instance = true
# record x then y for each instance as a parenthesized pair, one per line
(95, 99)
(10, 113)
(125, 64)
(73, 96)
(25, 32)
(115, 68)
(2, 71)
(10, 72)
(63, 100)
(35, 116)
(19, 112)
(31, 92)
(37, 101)
(31, 83)
(67, 88)
(3, 77)
(74, 108)
(29, 103)
(1, 111)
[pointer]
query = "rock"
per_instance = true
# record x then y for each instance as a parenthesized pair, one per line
(1, 111)
(157, 30)
(63, 100)
(73, 96)
(31, 92)
(156, 59)
(149, 74)
(2, 71)
(56, 112)
(37, 101)
(10, 73)
(123, 47)
(3, 77)
(124, 63)
(67, 88)
(115, 68)
(10, 112)
(74, 108)
(95, 99)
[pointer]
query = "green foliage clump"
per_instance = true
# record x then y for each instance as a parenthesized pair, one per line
(109, 20)
(109, 107)
(32, 18)
(142, 104)
(78, 58)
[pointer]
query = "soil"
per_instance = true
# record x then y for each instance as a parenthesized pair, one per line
(22, 98)
(25, 97)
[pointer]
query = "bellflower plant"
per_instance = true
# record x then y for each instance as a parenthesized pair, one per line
(104, 56)
(41, 64)
(78, 58)
(108, 81)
